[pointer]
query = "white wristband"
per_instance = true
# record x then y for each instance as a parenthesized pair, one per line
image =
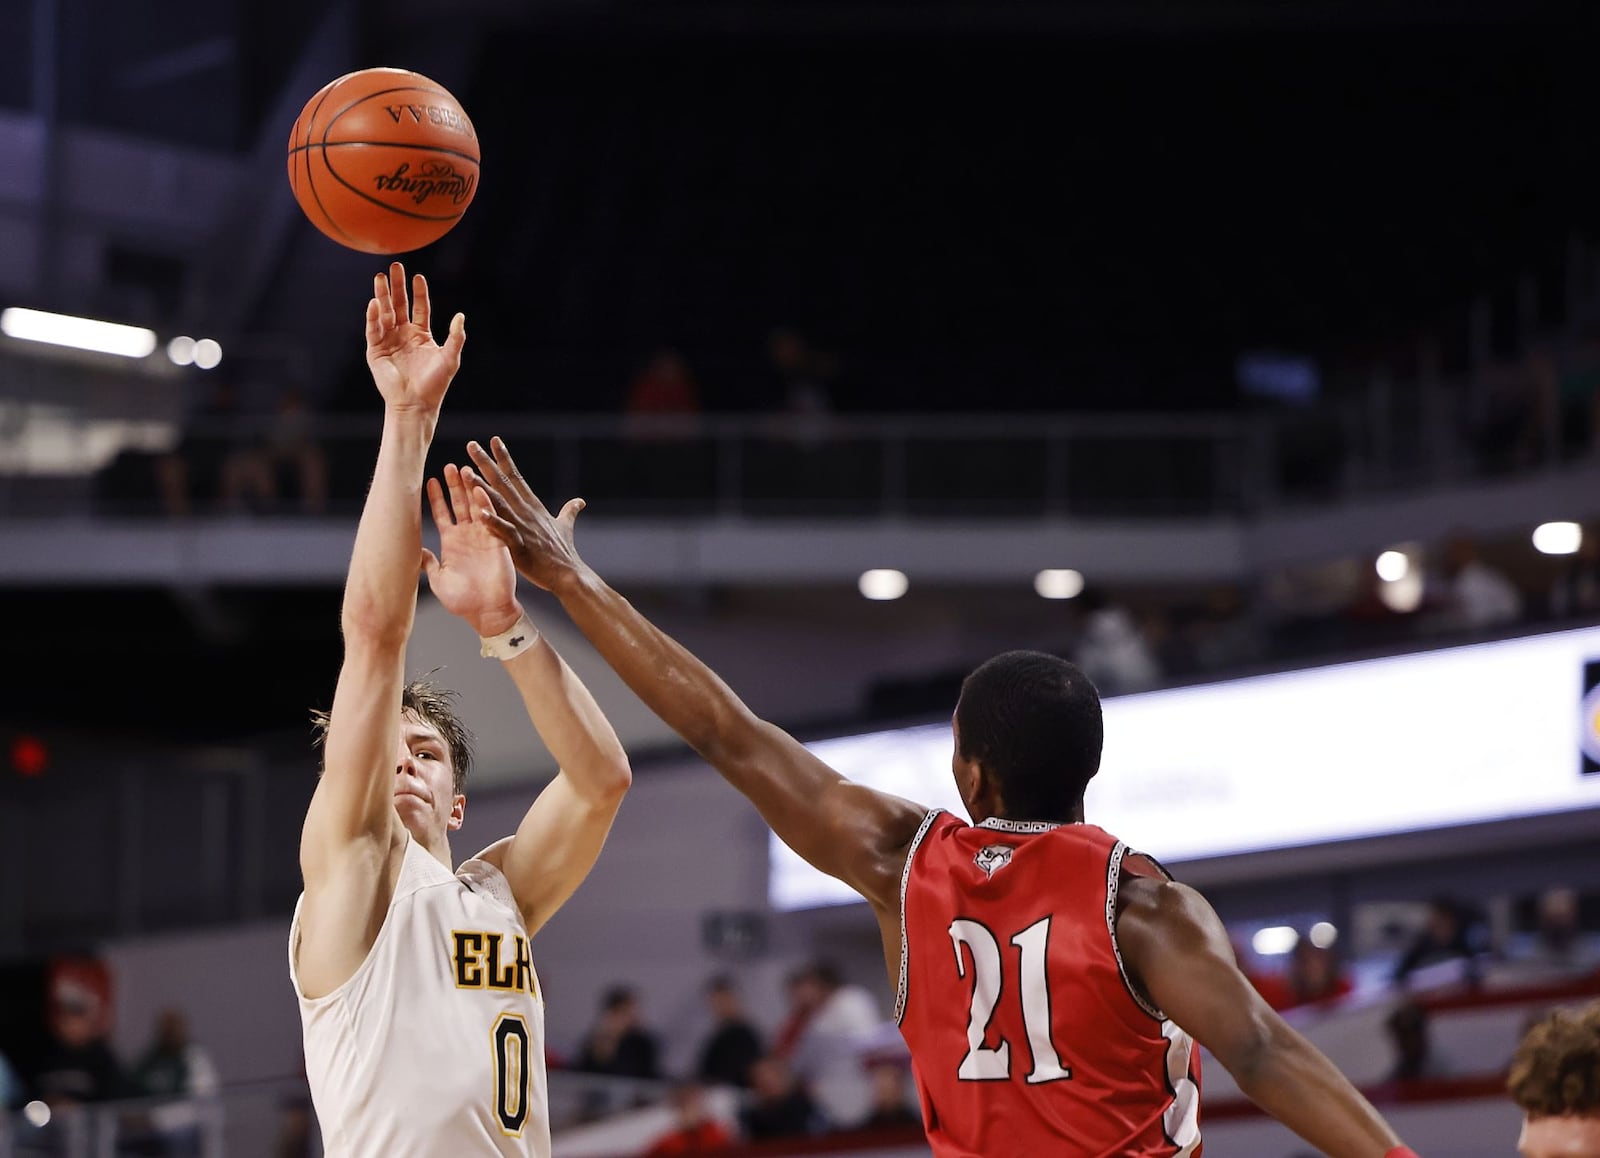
(511, 643)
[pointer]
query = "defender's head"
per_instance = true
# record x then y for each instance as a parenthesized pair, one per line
(1555, 1078)
(432, 758)
(1028, 733)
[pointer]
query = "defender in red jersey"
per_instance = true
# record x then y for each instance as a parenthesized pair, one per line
(1055, 1046)
(1044, 970)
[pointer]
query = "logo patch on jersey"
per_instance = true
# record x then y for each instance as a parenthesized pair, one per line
(993, 857)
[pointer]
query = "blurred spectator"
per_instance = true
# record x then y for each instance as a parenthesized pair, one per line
(1474, 596)
(1560, 947)
(1577, 591)
(803, 374)
(1450, 934)
(663, 389)
(619, 1045)
(252, 475)
(174, 1066)
(1111, 650)
(1410, 1035)
(696, 1132)
(1313, 976)
(781, 1107)
(734, 1045)
(78, 1065)
(801, 1006)
(828, 1054)
(1555, 1081)
(205, 455)
(891, 1099)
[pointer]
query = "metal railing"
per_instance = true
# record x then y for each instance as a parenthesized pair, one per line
(1385, 440)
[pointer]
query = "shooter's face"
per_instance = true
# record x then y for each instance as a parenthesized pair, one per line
(424, 782)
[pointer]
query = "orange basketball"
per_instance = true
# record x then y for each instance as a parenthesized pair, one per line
(383, 160)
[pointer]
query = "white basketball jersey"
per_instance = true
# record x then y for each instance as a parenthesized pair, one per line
(436, 1045)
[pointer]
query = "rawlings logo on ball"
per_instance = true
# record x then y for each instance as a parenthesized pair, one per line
(432, 179)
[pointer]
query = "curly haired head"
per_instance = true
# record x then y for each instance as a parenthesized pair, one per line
(1556, 1069)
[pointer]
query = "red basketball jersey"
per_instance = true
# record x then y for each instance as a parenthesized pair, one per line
(1025, 1035)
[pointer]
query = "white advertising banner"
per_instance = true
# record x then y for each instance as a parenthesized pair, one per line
(1441, 738)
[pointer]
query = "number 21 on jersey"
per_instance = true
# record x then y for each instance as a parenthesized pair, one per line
(988, 974)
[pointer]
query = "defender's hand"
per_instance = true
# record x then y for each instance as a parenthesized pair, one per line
(540, 543)
(472, 576)
(410, 369)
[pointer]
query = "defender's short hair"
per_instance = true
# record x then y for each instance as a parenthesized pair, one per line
(1556, 1069)
(1033, 721)
(434, 705)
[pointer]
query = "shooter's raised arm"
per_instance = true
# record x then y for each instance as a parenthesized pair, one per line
(412, 372)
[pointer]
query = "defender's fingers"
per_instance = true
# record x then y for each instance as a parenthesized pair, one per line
(430, 564)
(502, 530)
(502, 455)
(494, 476)
(374, 326)
(482, 501)
(570, 512)
(421, 307)
(436, 503)
(497, 502)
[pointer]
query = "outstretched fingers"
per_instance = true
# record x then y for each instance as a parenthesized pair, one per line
(490, 509)
(458, 494)
(457, 336)
(397, 292)
(421, 307)
(492, 499)
(436, 504)
(477, 494)
(496, 477)
(385, 303)
(503, 459)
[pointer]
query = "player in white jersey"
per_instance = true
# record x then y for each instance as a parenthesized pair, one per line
(424, 1024)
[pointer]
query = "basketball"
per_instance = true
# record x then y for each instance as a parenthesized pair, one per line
(383, 160)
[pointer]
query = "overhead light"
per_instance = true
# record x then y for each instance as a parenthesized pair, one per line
(1058, 583)
(207, 353)
(37, 1114)
(1323, 934)
(78, 333)
(1557, 538)
(181, 350)
(1274, 941)
(883, 583)
(1393, 566)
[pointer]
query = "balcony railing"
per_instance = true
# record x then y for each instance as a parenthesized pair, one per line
(777, 466)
